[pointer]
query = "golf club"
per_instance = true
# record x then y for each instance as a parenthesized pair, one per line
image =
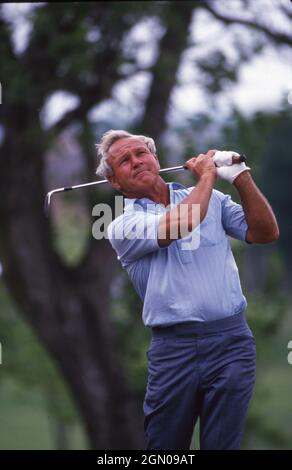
(235, 159)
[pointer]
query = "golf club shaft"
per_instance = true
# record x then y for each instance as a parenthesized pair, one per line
(235, 159)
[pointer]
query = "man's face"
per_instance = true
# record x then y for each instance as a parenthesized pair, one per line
(135, 168)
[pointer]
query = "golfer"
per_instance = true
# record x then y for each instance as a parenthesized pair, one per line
(173, 242)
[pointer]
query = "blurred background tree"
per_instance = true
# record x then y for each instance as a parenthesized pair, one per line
(67, 286)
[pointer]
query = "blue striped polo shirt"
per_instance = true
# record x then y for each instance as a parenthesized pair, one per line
(175, 284)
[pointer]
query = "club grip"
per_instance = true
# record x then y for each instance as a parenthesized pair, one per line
(239, 159)
(235, 159)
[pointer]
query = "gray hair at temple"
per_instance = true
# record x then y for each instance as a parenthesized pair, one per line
(104, 169)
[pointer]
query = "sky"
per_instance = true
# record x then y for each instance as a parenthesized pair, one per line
(263, 82)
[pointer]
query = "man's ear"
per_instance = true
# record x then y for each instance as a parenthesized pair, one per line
(113, 182)
(157, 160)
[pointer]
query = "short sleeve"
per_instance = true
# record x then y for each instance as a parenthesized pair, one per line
(233, 217)
(134, 235)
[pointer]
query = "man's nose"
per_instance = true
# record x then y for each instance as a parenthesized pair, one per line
(136, 161)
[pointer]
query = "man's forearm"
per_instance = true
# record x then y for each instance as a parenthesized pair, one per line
(260, 218)
(187, 215)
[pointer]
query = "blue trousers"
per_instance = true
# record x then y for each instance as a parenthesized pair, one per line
(199, 369)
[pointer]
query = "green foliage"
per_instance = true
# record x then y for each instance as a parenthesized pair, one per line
(274, 276)
(266, 140)
(217, 71)
(277, 171)
(265, 315)
(248, 135)
(268, 422)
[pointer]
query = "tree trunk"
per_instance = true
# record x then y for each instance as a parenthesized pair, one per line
(164, 72)
(67, 307)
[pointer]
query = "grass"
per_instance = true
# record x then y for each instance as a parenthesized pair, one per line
(25, 424)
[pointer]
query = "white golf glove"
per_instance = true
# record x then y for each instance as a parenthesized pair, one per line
(225, 169)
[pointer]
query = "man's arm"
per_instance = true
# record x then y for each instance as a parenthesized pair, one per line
(260, 218)
(183, 218)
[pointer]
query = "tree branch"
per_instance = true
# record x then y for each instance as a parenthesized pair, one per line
(278, 37)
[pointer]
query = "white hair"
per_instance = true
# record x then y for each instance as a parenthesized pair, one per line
(104, 169)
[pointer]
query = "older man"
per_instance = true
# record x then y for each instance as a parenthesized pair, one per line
(201, 359)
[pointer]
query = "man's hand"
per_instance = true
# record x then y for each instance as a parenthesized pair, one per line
(225, 169)
(202, 165)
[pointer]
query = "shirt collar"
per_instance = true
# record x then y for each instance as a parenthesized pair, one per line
(145, 201)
